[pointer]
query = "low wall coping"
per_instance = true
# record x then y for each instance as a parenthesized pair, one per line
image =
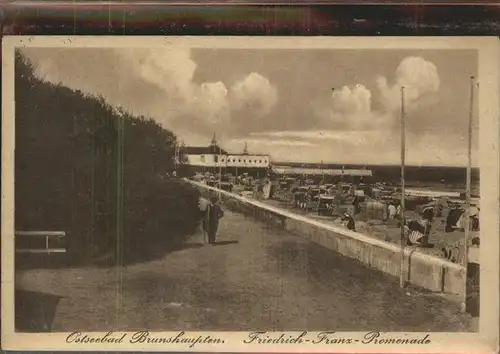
(344, 232)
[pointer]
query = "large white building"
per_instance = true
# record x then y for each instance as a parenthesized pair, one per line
(214, 158)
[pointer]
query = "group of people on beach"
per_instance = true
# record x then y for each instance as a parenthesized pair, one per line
(417, 231)
(393, 211)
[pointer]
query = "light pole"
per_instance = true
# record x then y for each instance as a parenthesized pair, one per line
(220, 171)
(119, 206)
(176, 157)
(467, 195)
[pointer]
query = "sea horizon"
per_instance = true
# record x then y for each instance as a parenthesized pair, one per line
(430, 165)
(423, 174)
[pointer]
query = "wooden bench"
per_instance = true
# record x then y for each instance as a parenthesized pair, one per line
(48, 235)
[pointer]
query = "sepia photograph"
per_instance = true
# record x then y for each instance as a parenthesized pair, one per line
(289, 190)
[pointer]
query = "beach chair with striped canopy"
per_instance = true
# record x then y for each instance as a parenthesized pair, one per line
(417, 231)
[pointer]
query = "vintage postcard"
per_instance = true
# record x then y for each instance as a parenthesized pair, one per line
(251, 194)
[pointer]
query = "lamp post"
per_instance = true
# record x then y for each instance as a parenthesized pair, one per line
(177, 162)
(119, 206)
(176, 158)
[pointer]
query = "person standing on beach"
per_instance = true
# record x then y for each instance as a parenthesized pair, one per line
(349, 222)
(392, 211)
(213, 214)
(355, 203)
(398, 212)
(473, 278)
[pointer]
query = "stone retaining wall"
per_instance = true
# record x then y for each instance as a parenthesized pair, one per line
(426, 271)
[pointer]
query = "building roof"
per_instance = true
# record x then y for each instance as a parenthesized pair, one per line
(204, 150)
(249, 155)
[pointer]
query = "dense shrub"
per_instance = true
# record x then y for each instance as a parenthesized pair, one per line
(73, 152)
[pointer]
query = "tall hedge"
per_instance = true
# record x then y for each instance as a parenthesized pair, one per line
(96, 172)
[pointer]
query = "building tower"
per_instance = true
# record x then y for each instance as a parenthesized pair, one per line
(245, 150)
(214, 141)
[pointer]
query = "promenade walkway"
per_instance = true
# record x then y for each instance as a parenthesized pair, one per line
(258, 277)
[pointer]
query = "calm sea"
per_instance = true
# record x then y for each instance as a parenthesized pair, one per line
(431, 177)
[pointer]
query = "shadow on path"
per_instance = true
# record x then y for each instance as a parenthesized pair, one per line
(225, 243)
(148, 253)
(152, 252)
(354, 286)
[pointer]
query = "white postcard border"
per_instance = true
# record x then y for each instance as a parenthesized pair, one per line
(486, 341)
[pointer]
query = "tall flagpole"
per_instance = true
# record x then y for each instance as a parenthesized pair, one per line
(403, 153)
(220, 171)
(467, 195)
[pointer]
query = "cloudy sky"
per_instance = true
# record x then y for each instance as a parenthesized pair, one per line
(297, 105)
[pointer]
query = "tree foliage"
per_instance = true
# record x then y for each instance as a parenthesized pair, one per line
(72, 151)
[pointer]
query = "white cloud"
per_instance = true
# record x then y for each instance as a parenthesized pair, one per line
(260, 143)
(375, 146)
(213, 103)
(179, 103)
(173, 70)
(350, 129)
(255, 91)
(170, 69)
(339, 136)
(347, 101)
(351, 108)
(419, 78)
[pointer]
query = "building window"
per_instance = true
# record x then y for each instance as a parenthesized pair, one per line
(260, 161)
(216, 158)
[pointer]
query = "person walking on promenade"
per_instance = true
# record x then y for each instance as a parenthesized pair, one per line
(213, 214)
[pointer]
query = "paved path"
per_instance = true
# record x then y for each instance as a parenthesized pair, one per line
(261, 278)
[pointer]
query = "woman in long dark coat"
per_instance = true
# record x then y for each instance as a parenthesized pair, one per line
(213, 214)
